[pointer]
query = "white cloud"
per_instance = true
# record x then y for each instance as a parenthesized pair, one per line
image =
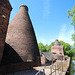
(65, 34)
(46, 8)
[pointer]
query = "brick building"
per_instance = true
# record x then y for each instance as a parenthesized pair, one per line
(57, 49)
(5, 9)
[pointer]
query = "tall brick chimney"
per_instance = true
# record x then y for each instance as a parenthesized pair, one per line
(56, 42)
(21, 36)
(5, 9)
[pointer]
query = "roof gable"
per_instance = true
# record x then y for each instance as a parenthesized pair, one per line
(48, 55)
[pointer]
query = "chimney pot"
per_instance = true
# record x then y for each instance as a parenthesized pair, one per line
(24, 6)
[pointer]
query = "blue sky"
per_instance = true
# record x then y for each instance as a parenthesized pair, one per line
(49, 18)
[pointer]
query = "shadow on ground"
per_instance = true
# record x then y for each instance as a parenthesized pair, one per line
(26, 72)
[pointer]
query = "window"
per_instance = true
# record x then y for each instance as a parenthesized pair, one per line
(60, 50)
(53, 53)
(61, 53)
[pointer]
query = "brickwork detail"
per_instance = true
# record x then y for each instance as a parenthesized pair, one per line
(4, 20)
(57, 49)
(21, 36)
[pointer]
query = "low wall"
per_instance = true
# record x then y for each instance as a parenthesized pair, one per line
(17, 67)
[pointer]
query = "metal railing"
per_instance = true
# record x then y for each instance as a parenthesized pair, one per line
(54, 69)
(39, 72)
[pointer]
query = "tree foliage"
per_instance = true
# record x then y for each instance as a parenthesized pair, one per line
(42, 47)
(73, 37)
(67, 48)
(71, 13)
(45, 48)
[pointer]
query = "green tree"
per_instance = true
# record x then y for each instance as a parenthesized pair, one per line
(42, 47)
(47, 48)
(71, 53)
(72, 14)
(73, 38)
(67, 47)
(52, 44)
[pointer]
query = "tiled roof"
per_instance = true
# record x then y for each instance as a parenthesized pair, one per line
(48, 55)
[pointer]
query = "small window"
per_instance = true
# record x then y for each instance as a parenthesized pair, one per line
(60, 50)
(53, 53)
(61, 53)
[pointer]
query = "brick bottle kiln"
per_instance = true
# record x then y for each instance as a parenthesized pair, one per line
(21, 36)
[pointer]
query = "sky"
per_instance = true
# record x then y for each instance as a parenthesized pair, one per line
(49, 19)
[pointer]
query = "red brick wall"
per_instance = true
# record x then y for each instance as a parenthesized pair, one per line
(43, 59)
(4, 20)
(56, 49)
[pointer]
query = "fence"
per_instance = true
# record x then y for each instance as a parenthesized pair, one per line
(39, 72)
(55, 69)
